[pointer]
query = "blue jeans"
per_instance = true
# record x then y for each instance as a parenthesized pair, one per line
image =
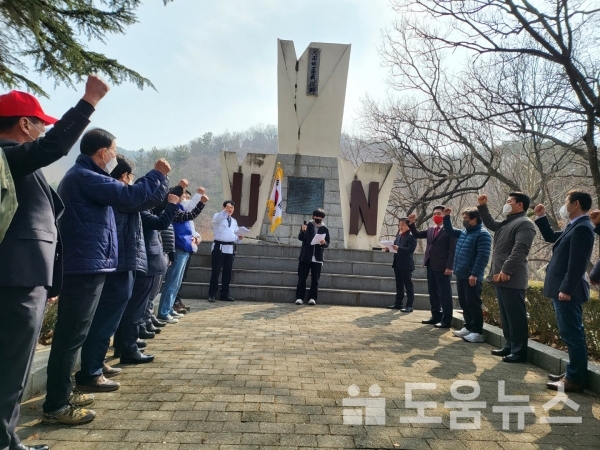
(569, 316)
(173, 280)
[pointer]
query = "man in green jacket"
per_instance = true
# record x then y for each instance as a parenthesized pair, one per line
(513, 237)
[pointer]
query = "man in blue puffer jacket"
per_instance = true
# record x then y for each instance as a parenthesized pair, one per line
(118, 287)
(473, 248)
(90, 253)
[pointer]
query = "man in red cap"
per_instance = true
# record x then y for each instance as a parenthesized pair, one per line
(30, 262)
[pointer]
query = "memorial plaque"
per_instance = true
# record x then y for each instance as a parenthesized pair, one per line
(304, 195)
(314, 61)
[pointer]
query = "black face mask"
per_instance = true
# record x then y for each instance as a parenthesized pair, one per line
(318, 220)
(467, 225)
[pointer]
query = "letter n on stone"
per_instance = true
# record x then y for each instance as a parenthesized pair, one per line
(366, 210)
(236, 196)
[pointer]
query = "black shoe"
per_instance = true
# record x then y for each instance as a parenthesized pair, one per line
(32, 447)
(226, 298)
(117, 353)
(501, 352)
(141, 343)
(442, 325)
(137, 358)
(395, 306)
(157, 323)
(513, 358)
(152, 329)
(144, 334)
(408, 309)
(556, 377)
(431, 321)
(211, 299)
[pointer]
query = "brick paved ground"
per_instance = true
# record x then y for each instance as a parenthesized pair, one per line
(262, 376)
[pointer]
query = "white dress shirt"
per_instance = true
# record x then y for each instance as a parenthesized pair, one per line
(225, 229)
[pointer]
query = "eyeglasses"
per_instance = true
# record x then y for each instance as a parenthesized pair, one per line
(132, 176)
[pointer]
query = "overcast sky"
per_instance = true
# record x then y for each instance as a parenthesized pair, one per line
(214, 65)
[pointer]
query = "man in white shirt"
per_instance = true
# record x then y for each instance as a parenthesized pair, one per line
(225, 229)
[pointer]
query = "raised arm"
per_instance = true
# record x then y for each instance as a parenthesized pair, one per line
(448, 228)
(486, 217)
(413, 229)
(162, 220)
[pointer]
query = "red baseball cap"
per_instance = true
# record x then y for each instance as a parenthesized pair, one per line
(22, 104)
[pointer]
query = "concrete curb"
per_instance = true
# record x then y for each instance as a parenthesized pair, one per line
(548, 358)
(36, 382)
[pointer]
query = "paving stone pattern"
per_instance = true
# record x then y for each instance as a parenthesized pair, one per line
(265, 376)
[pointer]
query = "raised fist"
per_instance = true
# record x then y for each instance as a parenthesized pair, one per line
(95, 89)
(412, 218)
(595, 216)
(163, 166)
(183, 183)
(204, 198)
(201, 190)
(539, 210)
(303, 228)
(482, 199)
(172, 198)
(447, 211)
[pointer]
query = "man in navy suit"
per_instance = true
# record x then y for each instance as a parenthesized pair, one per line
(404, 265)
(439, 258)
(566, 285)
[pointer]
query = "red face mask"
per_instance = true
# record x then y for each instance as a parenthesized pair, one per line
(438, 220)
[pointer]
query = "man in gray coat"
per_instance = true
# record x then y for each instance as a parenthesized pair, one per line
(512, 240)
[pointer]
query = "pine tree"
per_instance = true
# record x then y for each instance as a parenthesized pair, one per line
(49, 33)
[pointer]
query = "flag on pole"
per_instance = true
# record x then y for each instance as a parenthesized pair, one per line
(275, 211)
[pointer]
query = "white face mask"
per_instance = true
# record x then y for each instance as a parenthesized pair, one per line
(110, 165)
(40, 135)
(506, 209)
(564, 212)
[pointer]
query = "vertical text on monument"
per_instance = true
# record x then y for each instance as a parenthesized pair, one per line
(366, 210)
(236, 196)
(312, 82)
(304, 195)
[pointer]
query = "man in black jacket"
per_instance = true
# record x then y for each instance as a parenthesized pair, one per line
(311, 257)
(566, 285)
(404, 265)
(31, 264)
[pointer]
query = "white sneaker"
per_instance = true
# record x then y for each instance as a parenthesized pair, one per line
(462, 332)
(312, 302)
(299, 301)
(168, 319)
(473, 337)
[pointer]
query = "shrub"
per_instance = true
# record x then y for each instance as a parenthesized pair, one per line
(542, 320)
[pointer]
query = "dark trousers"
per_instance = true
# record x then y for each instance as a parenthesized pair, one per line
(20, 323)
(220, 261)
(469, 298)
(440, 295)
(315, 273)
(113, 301)
(149, 312)
(513, 314)
(569, 317)
(127, 333)
(76, 307)
(404, 281)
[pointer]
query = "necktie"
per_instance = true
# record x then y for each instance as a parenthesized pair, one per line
(435, 232)
(229, 222)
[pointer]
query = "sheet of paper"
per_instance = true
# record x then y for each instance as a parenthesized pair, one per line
(317, 239)
(389, 245)
(242, 231)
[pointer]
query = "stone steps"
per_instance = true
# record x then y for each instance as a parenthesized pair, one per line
(267, 272)
(285, 294)
(290, 278)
